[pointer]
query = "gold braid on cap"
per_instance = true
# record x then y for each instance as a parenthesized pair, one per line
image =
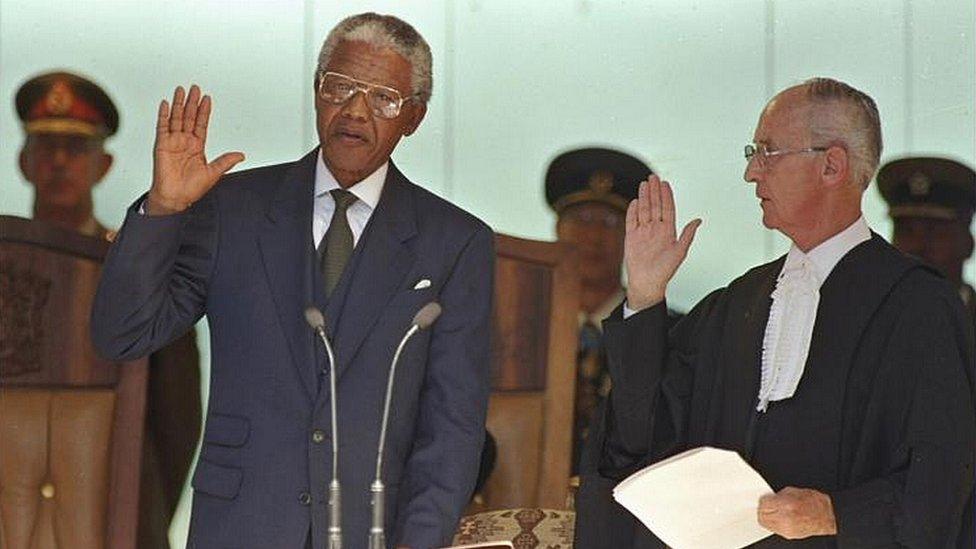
(599, 189)
(64, 126)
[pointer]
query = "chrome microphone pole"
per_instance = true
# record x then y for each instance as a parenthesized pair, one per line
(316, 320)
(377, 537)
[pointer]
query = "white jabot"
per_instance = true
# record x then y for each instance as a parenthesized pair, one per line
(367, 191)
(786, 342)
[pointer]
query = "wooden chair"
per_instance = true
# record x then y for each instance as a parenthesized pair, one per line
(70, 423)
(534, 340)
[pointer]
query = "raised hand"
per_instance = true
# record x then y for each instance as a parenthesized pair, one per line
(181, 173)
(652, 252)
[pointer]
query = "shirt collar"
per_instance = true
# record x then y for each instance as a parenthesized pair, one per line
(368, 190)
(825, 256)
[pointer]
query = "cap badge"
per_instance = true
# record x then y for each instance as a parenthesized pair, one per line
(59, 99)
(601, 181)
(919, 184)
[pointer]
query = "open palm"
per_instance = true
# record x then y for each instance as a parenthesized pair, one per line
(652, 250)
(181, 173)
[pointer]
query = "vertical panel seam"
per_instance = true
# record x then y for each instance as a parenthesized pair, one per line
(308, 24)
(449, 103)
(909, 37)
(769, 67)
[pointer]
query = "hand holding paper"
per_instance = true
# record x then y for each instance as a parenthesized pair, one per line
(797, 513)
(704, 498)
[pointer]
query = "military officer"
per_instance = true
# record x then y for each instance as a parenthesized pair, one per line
(931, 201)
(67, 119)
(589, 190)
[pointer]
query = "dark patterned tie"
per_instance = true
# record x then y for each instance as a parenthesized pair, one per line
(337, 243)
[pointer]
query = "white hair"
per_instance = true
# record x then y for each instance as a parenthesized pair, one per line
(839, 112)
(385, 32)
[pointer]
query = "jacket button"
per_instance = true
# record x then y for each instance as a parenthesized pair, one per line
(318, 436)
(305, 498)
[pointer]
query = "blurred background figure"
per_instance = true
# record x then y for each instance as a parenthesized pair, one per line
(931, 202)
(589, 189)
(66, 120)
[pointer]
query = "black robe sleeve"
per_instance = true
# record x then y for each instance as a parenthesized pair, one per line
(652, 371)
(924, 393)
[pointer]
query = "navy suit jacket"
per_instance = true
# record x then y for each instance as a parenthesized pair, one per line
(243, 256)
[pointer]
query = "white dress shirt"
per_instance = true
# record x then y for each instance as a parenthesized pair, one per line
(786, 342)
(367, 192)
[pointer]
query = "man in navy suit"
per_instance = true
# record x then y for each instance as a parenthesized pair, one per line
(252, 249)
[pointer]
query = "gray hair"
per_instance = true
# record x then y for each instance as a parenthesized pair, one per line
(385, 32)
(839, 112)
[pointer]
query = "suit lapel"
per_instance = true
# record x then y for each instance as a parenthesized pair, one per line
(381, 260)
(285, 241)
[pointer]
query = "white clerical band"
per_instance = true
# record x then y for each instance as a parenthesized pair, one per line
(786, 342)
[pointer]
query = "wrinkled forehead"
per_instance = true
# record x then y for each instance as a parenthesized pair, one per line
(369, 63)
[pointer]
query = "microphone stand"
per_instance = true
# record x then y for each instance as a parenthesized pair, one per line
(317, 321)
(377, 538)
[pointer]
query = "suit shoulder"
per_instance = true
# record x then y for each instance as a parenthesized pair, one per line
(440, 212)
(261, 180)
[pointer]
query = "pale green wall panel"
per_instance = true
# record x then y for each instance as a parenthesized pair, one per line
(673, 82)
(943, 84)
(245, 57)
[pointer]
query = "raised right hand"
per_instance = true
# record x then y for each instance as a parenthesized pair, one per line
(652, 253)
(181, 173)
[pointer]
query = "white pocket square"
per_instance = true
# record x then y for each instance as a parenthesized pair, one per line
(421, 284)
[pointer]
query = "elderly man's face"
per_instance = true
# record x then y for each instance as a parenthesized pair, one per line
(63, 168)
(597, 230)
(943, 243)
(355, 142)
(787, 185)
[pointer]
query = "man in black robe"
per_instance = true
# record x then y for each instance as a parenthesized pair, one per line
(842, 372)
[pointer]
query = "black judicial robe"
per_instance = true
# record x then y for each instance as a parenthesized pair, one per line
(883, 419)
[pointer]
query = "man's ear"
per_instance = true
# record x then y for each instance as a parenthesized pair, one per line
(24, 163)
(416, 111)
(836, 167)
(104, 165)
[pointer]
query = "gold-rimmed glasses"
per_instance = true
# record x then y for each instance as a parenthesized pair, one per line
(337, 88)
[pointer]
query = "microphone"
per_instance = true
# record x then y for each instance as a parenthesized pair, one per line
(422, 320)
(316, 320)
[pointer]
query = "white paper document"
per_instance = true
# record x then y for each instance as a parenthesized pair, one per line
(703, 498)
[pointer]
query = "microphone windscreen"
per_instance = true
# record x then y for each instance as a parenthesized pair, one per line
(427, 315)
(314, 317)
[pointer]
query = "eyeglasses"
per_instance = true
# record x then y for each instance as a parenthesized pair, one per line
(337, 88)
(761, 153)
